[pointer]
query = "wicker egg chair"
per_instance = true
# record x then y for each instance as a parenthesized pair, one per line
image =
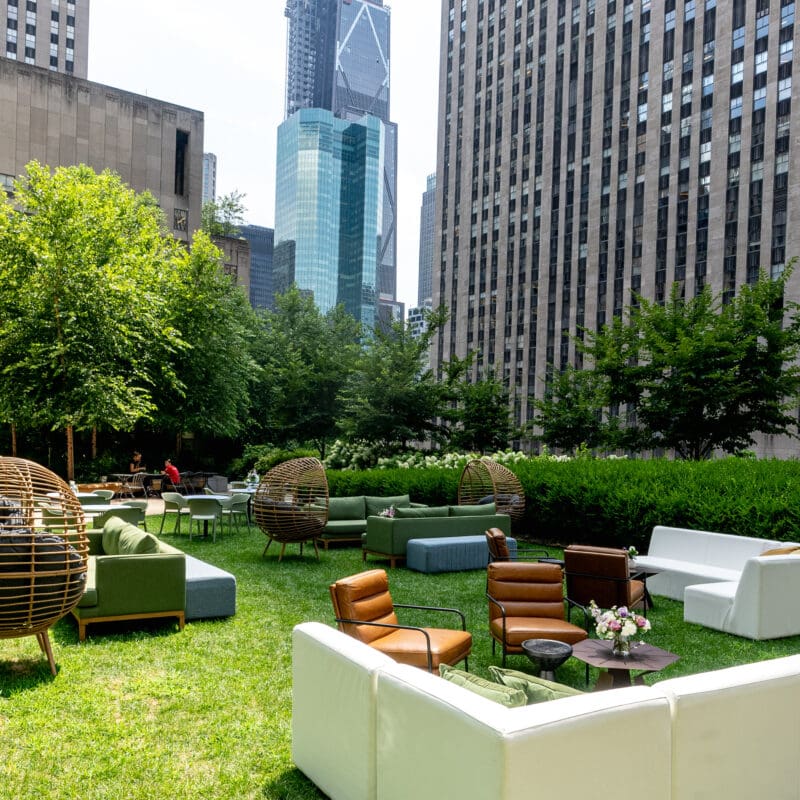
(291, 503)
(484, 480)
(43, 551)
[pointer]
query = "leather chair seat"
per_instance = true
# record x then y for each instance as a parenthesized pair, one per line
(408, 647)
(518, 629)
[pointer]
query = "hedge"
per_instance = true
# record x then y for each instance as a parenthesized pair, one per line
(617, 502)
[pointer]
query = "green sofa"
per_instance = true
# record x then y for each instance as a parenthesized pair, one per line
(131, 575)
(387, 537)
(347, 516)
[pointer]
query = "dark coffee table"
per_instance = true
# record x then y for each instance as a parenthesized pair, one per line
(547, 655)
(643, 658)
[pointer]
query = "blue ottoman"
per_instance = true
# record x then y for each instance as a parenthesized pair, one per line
(210, 591)
(450, 554)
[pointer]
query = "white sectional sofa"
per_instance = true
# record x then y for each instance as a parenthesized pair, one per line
(364, 726)
(683, 557)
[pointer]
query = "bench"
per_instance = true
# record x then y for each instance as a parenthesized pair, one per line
(210, 591)
(451, 554)
(682, 557)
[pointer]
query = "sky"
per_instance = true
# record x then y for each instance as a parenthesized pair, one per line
(228, 59)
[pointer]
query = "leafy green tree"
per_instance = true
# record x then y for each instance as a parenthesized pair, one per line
(699, 375)
(391, 398)
(480, 420)
(307, 358)
(84, 321)
(216, 368)
(224, 216)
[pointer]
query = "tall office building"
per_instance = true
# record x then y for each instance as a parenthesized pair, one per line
(591, 150)
(328, 210)
(427, 225)
(209, 178)
(338, 60)
(261, 249)
(53, 34)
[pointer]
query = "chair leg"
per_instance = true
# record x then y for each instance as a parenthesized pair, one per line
(283, 547)
(163, 517)
(316, 549)
(47, 649)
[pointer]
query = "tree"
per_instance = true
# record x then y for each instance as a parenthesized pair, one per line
(224, 216)
(213, 317)
(480, 420)
(84, 322)
(391, 399)
(700, 375)
(307, 359)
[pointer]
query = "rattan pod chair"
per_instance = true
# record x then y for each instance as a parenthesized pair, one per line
(43, 551)
(291, 503)
(485, 481)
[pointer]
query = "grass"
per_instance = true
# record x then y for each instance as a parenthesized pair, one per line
(142, 711)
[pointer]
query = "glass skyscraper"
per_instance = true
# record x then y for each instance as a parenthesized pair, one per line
(328, 210)
(261, 241)
(338, 60)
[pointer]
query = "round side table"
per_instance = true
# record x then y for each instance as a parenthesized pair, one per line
(547, 655)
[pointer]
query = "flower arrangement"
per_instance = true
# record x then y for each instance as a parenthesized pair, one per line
(620, 624)
(387, 512)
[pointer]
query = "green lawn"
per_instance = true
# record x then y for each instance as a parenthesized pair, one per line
(143, 711)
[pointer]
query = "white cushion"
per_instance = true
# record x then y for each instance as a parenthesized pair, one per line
(333, 710)
(736, 732)
(437, 740)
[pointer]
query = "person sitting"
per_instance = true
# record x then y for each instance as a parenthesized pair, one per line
(136, 463)
(170, 472)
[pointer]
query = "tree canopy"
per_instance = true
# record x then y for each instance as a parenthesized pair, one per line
(223, 217)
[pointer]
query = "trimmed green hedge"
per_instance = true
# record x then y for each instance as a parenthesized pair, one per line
(617, 502)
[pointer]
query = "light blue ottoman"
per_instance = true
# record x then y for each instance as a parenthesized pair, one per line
(451, 554)
(210, 591)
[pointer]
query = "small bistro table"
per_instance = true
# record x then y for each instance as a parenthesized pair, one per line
(643, 658)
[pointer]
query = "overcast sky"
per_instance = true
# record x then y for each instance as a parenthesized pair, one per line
(228, 59)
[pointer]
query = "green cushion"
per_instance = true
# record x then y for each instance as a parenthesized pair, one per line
(349, 508)
(132, 541)
(377, 504)
(537, 690)
(491, 691)
(419, 513)
(111, 530)
(473, 511)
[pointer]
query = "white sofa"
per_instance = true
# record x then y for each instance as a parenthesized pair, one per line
(682, 557)
(763, 604)
(364, 726)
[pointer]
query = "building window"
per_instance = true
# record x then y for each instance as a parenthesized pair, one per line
(180, 219)
(181, 155)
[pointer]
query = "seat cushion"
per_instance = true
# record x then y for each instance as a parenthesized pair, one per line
(377, 504)
(518, 629)
(409, 646)
(344, 527)
(508, 696)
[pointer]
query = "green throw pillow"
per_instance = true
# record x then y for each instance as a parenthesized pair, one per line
(504, 695)
(420, 513)
(377, 504)
(487, 509)
(537, 690)
(112, 528)
(132, 541)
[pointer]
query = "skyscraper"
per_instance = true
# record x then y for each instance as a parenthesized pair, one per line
(209, 177)
(328, 209)
(338, 60)
(49, 33)
(261, 248)
(427, 224)
(590, 151)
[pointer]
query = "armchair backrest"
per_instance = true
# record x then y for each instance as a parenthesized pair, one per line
(525, 589)
(498, 545)
(174, 500)
(364, 596)
(601, 574)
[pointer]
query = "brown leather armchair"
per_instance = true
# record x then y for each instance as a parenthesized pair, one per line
(364, 609)
(497, 542)
(526, 601)
(601, 574)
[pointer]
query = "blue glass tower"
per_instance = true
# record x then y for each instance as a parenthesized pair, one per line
(261, 241)
(329, 210)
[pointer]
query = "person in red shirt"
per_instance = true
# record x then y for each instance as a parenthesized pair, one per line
(171, 472)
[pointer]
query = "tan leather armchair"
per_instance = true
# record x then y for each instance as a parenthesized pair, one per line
(526, 601)
(364, 609)
(601, 574)
(497, 542)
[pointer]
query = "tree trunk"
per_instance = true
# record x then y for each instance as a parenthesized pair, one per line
(70, 455)
(94, 442)
(13, 440)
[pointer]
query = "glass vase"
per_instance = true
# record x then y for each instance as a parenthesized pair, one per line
(621, 647)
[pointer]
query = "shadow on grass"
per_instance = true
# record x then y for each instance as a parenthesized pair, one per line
(292, 785)
(24, 673)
